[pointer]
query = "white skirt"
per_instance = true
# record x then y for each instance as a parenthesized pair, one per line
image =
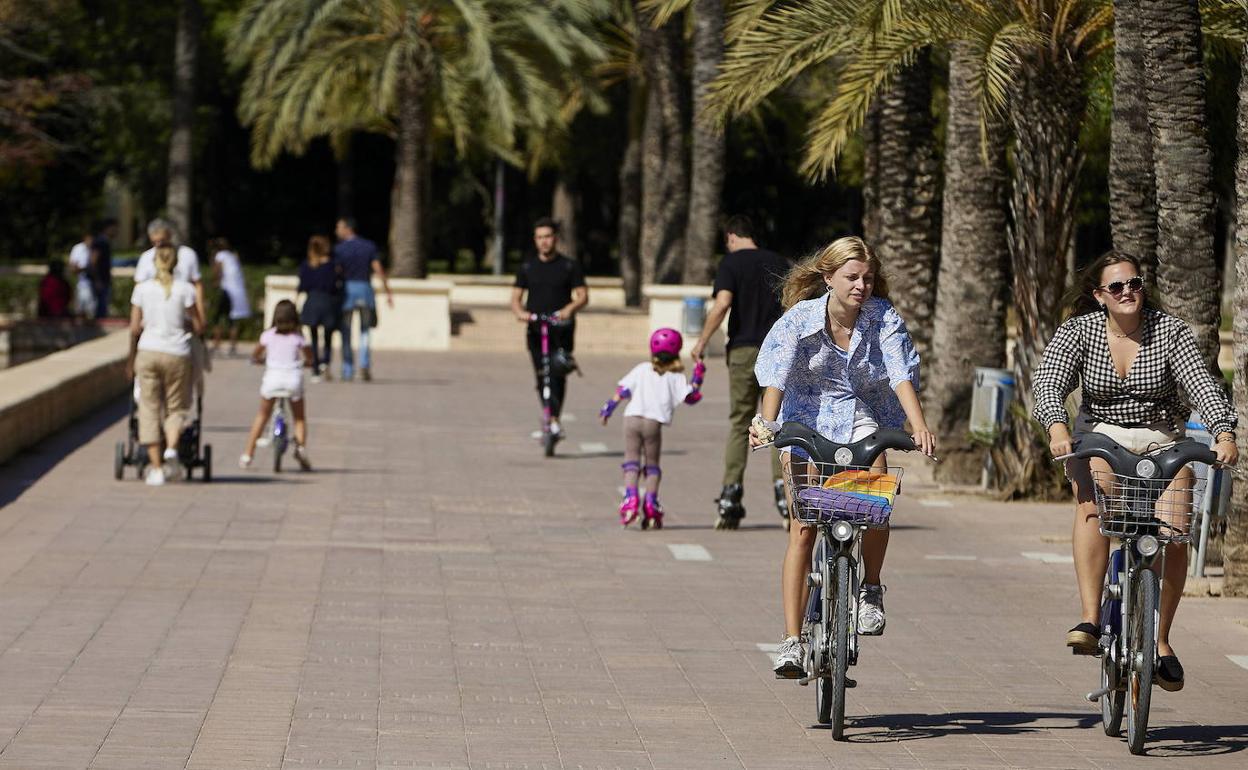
(279, 383)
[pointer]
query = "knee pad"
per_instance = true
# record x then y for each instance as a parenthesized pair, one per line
(631, 467)
(653, 470)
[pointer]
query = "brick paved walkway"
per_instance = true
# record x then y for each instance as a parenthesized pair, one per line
(438, 595)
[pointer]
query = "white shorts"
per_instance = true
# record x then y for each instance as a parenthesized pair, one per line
(282, 382)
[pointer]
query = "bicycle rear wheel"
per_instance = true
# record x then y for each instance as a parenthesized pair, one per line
(1111, 656)
(1142, 654)
(840, 646)
(1112, 701)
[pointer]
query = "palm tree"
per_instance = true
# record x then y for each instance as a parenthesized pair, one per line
(664, 155)
(1188, 280)
(1235, 546)
(969, 325)
(181, 149)
(1132, 188)
(480, 71)
(706, 183)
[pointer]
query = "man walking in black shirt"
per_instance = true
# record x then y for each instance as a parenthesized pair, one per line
(554, 284)
(747, 290)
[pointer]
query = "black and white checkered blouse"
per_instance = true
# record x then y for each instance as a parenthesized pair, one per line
(1168, 357)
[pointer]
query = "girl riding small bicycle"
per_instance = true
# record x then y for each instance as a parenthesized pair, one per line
(284, 352)
(653, 390)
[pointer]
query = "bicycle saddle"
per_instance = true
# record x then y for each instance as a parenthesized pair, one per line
(824, 450)
(1161, 464)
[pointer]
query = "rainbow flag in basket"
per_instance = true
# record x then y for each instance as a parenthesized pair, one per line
(872, 486)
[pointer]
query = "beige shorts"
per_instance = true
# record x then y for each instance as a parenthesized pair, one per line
(164, 384)
(1138, 440)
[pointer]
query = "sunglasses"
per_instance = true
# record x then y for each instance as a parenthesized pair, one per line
(1118, 287)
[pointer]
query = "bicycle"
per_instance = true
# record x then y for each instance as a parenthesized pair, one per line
(1140, 504)
(281, 429)
(840, 491)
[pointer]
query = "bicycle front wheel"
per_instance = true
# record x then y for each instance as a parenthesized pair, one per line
(840, 646)
(1142, 654)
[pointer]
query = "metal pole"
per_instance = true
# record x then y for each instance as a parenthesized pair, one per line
(499, 196)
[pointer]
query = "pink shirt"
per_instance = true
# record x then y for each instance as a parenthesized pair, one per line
(283, 351)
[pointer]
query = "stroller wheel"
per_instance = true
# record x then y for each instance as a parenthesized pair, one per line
(207, 464)
(119, 460)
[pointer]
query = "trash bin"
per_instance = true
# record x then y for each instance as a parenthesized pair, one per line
(990, 397)
(694, 315)
(1213, 504)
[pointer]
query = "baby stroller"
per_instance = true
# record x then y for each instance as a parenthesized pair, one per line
(192, 452)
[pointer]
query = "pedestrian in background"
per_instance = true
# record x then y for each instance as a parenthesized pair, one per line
(54, 292)
(232, 301)
(102, 266)
(358, 261)
(747, 291)
(81, 269)
(321, 312)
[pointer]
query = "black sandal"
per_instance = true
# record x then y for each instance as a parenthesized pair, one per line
(1084, 639)
(1169, 673)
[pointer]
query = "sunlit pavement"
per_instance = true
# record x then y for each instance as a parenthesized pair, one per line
(439, 595)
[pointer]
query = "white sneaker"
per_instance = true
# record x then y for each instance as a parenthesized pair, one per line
(264, 440)
(301, 455)
(244, 461)
(790, 662)
(871, 610)
(155, 477)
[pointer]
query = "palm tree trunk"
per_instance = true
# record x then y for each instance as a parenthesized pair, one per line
(1132, 187)
(563, 211)
(871, 174)
(1046, 110)
(1235, 545)
(908, 185)
(665, 176)
(409, 198)
(181, 141)
(1188, 281)
(707, 171)
(630, 197)
(969, 327)
(345, 158)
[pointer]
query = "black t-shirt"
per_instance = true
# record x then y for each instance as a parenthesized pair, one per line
(754, 276)
(549, 284)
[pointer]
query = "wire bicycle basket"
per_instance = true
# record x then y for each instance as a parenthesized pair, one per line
(1130, 506)
(823, 493)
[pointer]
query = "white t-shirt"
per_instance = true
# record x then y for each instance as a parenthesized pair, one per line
(164, 318)
(80, 260)
(232, 283)
(187, 268)
(655, 396)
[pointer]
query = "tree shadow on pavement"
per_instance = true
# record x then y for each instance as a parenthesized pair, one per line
(282, 478)
(889, 728)
(1196, 740)
(28, 466)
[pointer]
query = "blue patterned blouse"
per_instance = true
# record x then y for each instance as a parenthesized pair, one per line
(821, 385)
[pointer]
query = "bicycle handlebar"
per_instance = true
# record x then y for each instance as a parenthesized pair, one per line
(1162, 464)
(824, 450)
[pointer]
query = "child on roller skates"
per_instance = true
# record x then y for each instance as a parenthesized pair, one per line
(653, 390)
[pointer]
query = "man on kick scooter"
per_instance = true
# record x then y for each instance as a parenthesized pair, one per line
(554, 284)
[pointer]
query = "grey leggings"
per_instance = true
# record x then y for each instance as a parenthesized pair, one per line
(643, 437)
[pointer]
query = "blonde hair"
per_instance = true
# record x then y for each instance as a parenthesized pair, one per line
(318, 250)
(166, 258)
(670, 365)
(805, 280)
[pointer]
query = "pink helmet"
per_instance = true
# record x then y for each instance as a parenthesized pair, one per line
(666, 342)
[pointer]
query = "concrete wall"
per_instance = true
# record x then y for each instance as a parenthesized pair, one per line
(41, 397)
(419, 320)
(667, 308)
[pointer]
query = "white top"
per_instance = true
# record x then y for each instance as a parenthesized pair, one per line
(80, 260)
(187, 268)
(164, 318)
(232, 283)
(655, 396)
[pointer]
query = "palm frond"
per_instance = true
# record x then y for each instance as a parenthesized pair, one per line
(1225, 19)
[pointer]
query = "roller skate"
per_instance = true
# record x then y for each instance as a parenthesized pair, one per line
(782, 503)
(731, 511)
(653, 512)
(629, 507)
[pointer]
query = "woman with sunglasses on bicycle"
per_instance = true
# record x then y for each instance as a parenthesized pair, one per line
(1130, 359)
(839, 361)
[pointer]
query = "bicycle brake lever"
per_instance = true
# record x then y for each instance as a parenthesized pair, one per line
(762, 446)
